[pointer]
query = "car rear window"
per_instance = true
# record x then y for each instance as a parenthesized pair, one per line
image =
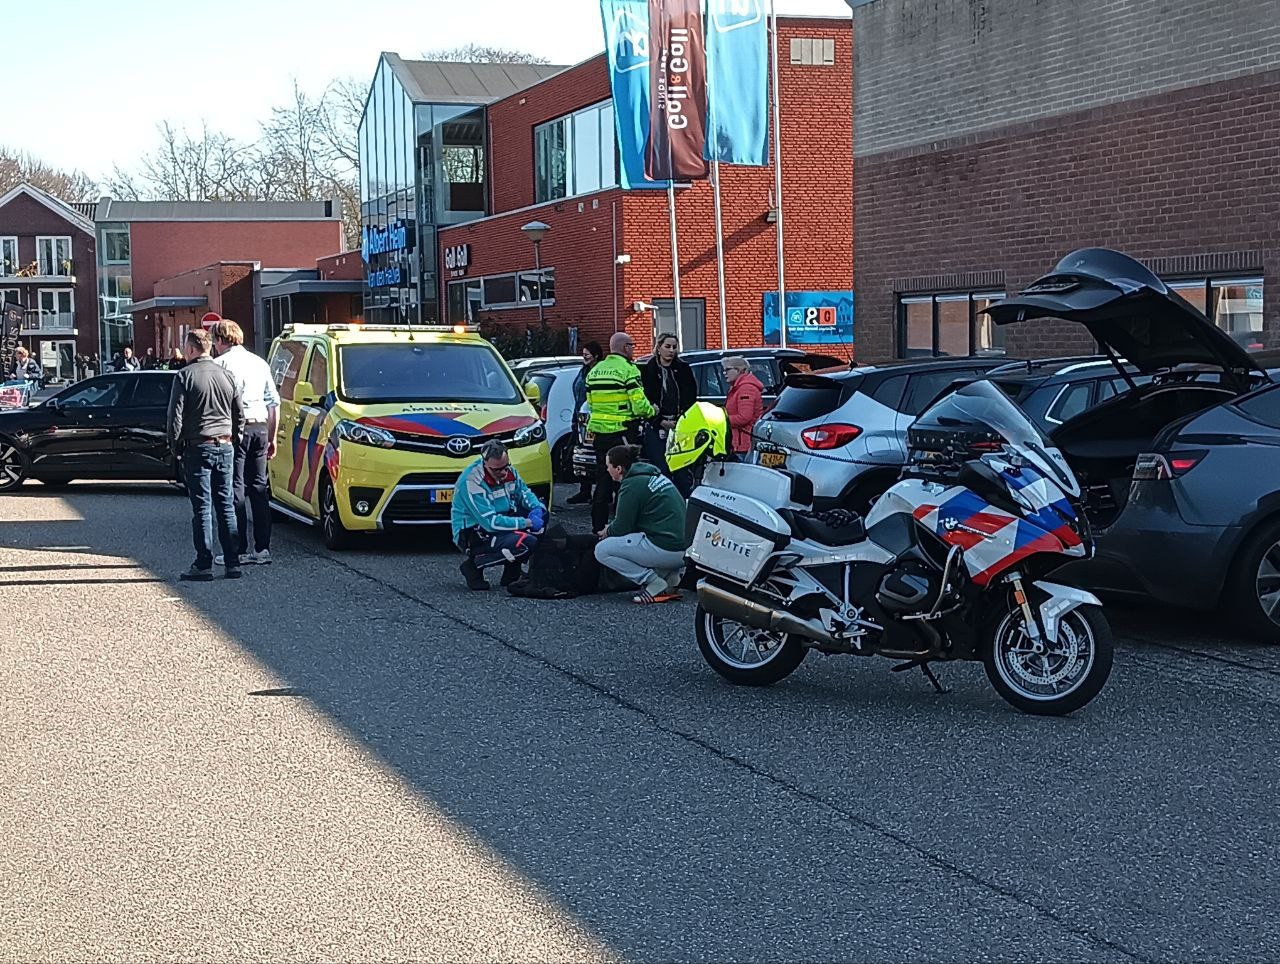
(423, 372)
(544, 381)
(807, 397)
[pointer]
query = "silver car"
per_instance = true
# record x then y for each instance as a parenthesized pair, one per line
(846, 431)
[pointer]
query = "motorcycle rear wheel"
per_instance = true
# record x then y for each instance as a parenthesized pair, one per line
(747, 656)
(1064, 678)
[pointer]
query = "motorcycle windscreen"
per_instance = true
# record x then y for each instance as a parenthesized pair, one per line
(983, 404)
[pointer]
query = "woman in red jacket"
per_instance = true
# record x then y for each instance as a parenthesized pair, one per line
(744, 403)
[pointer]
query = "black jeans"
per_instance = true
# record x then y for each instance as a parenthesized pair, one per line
(251, 486)
(654, 451)
(208, 469)
(606, 488)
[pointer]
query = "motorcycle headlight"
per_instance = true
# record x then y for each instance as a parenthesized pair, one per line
(531, 434)
(350, 431)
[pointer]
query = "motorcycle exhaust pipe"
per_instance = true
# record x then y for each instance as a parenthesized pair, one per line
(727, 605)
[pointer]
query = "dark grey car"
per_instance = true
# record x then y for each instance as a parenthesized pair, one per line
(1181, 476)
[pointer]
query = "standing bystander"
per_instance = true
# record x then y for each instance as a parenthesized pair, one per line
(258, 442)
(744, 403)
(205, 418)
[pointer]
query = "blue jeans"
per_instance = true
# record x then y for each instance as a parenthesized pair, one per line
(209, 471)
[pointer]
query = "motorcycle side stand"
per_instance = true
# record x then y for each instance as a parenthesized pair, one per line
(924, 668)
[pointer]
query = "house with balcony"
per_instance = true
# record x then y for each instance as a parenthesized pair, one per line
(48, 267)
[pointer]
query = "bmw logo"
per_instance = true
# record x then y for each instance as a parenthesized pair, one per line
(458, 445)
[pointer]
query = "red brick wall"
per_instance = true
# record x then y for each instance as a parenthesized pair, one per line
(346, 266)
(228, 289)
(164, 249)
(817, 197)
(27, 219)
(1187, 179)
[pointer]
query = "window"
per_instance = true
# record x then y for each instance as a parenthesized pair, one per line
(150, 391)
(11, 294)
(948, 325)
(420, 372)
(575, 154)
(116, 245)
(318, 370)
(54, 255)
(95, 393)
(763, 369)
(1233, 304)
(9, 264)
(464, 300)
(57, 309)
(529, 283)
(286, 363)
(499, 290)
(1071, 401)
(710, 379)
(1262, 407)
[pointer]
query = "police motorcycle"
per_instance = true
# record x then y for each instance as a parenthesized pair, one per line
(949, 564)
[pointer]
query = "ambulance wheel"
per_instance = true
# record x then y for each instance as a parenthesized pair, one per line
(336, 536)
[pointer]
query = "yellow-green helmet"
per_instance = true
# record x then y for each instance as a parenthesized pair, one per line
(705, 427)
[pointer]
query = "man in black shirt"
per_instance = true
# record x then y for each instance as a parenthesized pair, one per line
(206, 416)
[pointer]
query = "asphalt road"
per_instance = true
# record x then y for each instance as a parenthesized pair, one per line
(350, 757)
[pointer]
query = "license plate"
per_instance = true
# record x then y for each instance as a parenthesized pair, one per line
(773, 460)
(442, 495)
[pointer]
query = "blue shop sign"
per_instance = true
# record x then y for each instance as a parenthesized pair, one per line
(813, 317)
(385, 277)
(374, 240)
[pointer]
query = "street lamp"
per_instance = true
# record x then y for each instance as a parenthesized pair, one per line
(535, 231)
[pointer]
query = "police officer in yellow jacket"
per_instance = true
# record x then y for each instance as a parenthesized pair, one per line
(618, 410)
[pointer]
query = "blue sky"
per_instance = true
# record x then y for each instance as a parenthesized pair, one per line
(89, 79)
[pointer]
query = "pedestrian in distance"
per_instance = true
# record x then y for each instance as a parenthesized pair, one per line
(150, 363)
(206, 417)
(125, 362)
(26, 368)
(257, 443)
(176, 361)
(671, 389)
(645, 542)
(496, 518)
(592, 354)
(619, 409)
(744, 403)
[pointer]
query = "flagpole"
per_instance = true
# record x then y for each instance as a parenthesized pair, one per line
(675, 259)
(777, 176)
(715, 197)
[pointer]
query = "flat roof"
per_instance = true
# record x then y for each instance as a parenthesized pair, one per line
(109, 209)
(167, 301)
(447, 82)
(312, 286)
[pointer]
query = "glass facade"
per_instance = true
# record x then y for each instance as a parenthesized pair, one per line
(575, 154)
(422, 167)
(115, 288)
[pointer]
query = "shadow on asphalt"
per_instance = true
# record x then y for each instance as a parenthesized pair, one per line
(850, 813)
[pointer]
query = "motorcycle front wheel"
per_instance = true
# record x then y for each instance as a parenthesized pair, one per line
(1062, 678)
(744, 655)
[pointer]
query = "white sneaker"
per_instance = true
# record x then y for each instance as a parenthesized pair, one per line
(262, 558)
(219, 560)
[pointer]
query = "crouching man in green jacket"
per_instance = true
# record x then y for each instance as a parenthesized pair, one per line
(645, 542)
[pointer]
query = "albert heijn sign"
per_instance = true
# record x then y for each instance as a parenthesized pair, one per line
(375, 241)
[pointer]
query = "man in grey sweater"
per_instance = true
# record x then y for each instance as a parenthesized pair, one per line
(206, 416)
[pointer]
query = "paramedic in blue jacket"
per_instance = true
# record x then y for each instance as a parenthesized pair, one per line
(496, 517)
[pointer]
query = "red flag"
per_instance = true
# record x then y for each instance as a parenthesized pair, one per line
(678, 91)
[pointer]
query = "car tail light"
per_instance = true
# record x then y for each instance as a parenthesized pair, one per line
(1152, 467)
(829, 436)
(542, 413)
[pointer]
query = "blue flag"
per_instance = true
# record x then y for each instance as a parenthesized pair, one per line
(626, 44)
(737, 82)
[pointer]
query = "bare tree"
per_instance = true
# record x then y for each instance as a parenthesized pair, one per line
(481, 54)
(18, 167)
(206, 166)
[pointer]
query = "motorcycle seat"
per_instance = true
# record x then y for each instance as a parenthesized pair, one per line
(835, 527)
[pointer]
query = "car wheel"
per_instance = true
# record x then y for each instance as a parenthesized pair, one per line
(1253, 594)
(14, 466)
(336, 536)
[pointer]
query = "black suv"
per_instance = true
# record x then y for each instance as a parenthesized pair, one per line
(108, 427)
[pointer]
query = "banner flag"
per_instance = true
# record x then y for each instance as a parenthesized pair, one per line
(626, 43)
(738, 82)
(677, 91)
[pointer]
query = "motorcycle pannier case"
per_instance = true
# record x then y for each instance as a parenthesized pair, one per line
(731, 534)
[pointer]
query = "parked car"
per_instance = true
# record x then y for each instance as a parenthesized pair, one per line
(107, 427)
(523, 367)
(1180, 476)
(555, 391)
(1054, 390)
(770, 365)
(846, 431)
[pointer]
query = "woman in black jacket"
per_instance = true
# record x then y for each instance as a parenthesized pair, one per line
(671, 388)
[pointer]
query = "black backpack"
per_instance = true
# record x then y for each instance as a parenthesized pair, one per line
(561, 567)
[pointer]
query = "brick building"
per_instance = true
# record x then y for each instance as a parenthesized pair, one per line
(992, 138)
(48, 266)
(547, 154)
(143, 243)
